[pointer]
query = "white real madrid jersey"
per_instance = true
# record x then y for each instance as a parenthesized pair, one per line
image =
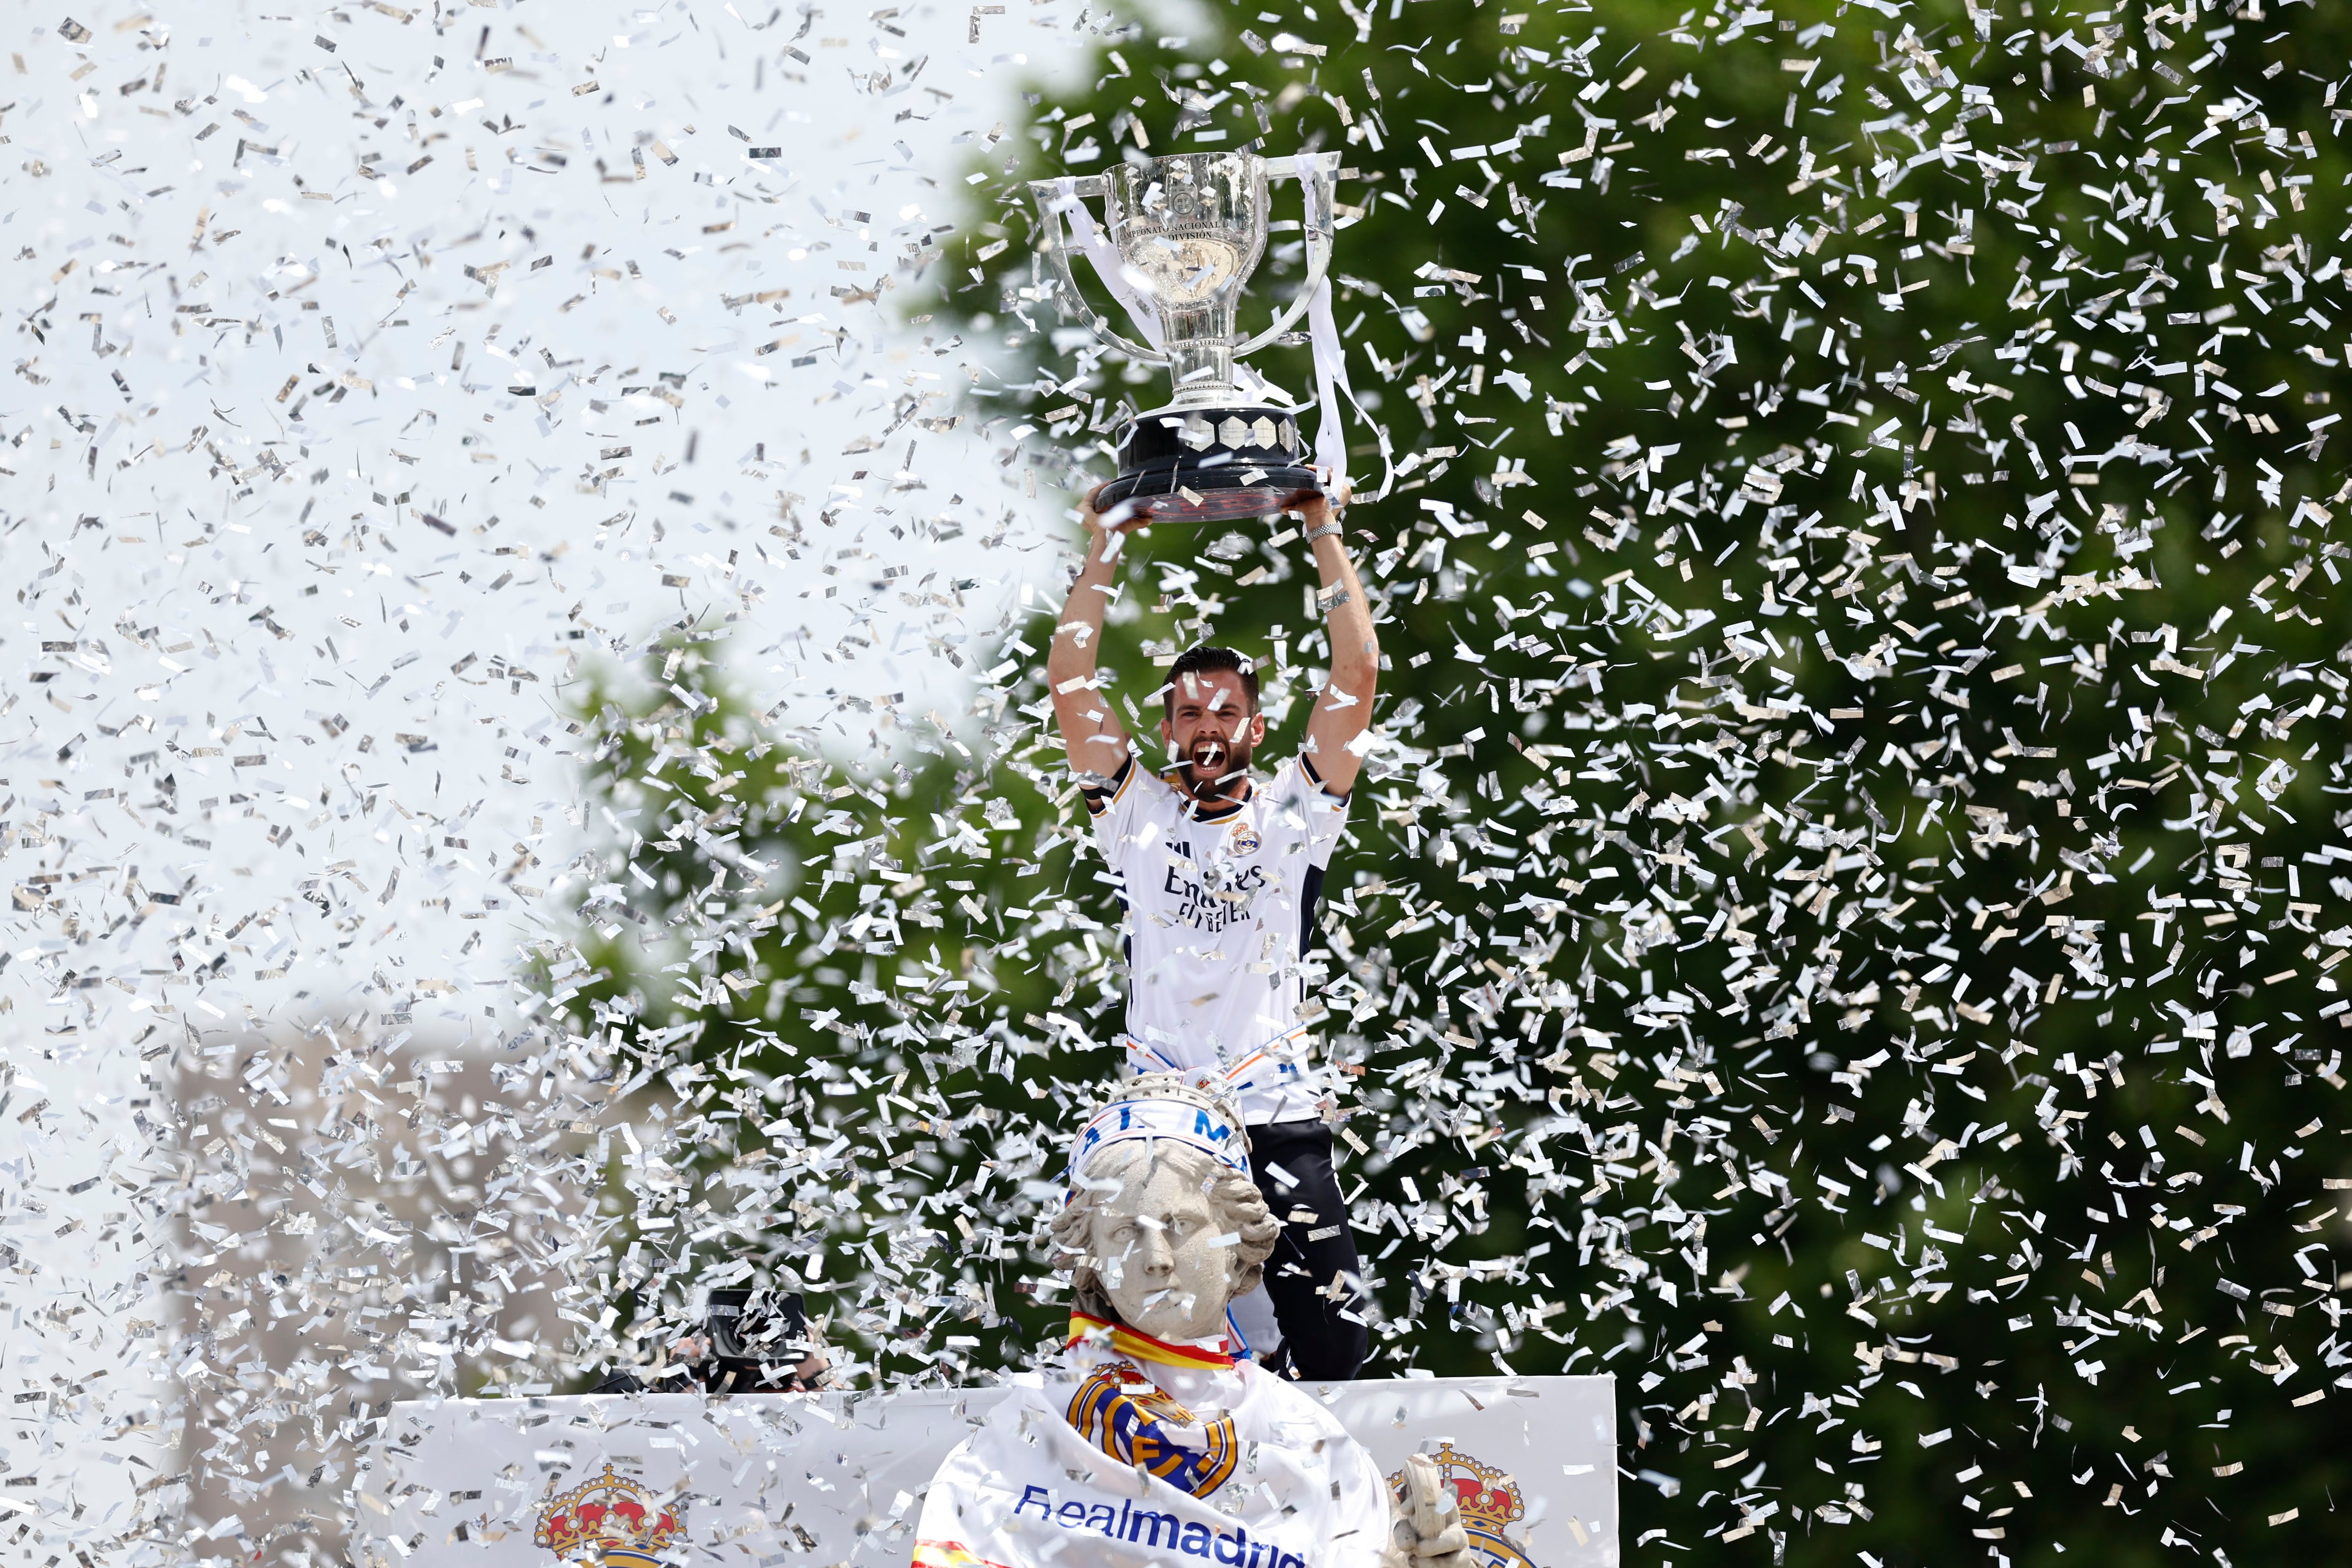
(1220, 909)
(1240, 1468)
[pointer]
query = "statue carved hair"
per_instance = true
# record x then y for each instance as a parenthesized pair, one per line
(1241, 1208)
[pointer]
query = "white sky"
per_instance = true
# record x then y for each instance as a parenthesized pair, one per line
(604, 284)
(231, 221)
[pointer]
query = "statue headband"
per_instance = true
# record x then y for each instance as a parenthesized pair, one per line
(1177, 1121)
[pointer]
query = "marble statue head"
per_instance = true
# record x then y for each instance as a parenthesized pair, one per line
(1163, 1227)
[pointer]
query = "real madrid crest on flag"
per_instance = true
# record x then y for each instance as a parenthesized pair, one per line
(613, 1521)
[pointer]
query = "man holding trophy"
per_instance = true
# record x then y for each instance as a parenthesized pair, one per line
(1218, 873)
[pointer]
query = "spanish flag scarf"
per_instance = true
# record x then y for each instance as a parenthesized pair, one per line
(1125, 1342)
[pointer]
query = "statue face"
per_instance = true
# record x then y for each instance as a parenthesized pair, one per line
(1155, 1261)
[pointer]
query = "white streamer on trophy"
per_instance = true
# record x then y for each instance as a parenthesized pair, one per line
(1331, 365)
(1108, 264)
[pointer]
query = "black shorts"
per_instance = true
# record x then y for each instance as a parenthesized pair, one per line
(1324, 1338)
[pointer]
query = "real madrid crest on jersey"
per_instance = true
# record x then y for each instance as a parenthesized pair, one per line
(1242, 841)
(1125, 1414)
(1489, 1501)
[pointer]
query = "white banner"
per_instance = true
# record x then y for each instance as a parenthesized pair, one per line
(838, 1478)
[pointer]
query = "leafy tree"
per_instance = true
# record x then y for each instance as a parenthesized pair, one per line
(1871, 729)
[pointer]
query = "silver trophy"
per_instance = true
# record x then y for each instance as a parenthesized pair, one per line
(1183, 235)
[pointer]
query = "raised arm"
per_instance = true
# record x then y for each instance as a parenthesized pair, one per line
(1344, 712)
(1091, 735)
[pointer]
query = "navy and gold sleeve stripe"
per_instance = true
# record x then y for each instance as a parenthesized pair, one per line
(1100, 798)
(1306, 765)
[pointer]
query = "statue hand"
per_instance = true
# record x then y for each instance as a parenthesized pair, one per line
(1428, 1532)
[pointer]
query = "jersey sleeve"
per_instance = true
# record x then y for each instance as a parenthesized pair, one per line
(1116, 806)
(1325, 814)
(1314, 777)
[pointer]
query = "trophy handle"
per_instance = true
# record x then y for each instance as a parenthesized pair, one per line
(1319, 235)
(1047, 194)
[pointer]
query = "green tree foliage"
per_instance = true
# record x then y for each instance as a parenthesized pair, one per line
(1840, 935)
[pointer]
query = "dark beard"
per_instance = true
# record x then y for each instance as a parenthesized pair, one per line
(1214, 766)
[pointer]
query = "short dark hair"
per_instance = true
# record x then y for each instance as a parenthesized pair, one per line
(1203, 659)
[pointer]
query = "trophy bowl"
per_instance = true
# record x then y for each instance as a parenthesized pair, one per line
(1183, 235)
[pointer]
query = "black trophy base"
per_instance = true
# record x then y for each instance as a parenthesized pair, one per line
(1207, 465)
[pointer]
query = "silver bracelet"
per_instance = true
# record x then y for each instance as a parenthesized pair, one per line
(1326, 532)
